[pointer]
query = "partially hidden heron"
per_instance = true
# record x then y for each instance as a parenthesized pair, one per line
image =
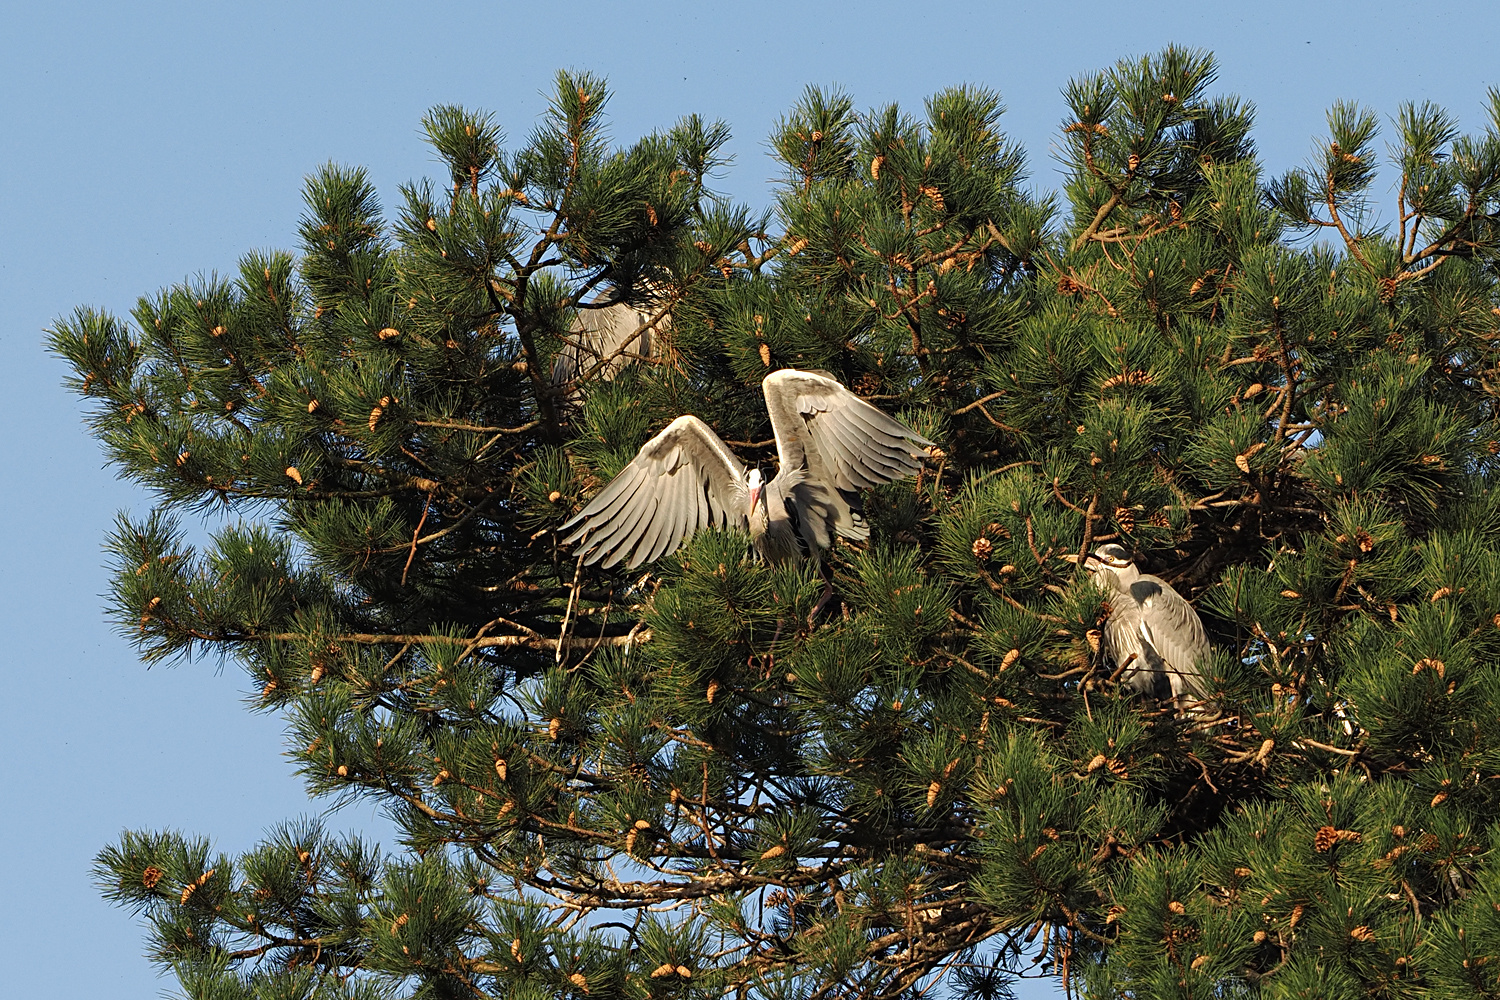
(830, 444)
(608, 337)
(1153, 635)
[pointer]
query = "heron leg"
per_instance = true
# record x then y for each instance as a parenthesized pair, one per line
(827, 576)
(768, 662)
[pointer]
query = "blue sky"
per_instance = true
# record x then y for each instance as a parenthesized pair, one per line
(147, 142)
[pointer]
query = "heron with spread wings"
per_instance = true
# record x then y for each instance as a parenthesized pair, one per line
(830, 444)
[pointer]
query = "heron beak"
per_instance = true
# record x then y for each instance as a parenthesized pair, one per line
(754, 498)
(1068, 557)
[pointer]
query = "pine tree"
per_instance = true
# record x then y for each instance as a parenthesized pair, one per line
(668, 783)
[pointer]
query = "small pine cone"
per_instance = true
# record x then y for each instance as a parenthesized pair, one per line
(1125, 518)
(997, 530)
(1436, 666)
(151, 876)
(1387, 290)
(1093, 636)
(1325, 838)
(1158, 519)
(192, 887)
(982, 548)
(1067, 286)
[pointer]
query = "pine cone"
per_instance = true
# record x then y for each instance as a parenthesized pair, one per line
(1125, 518)
(982, 548)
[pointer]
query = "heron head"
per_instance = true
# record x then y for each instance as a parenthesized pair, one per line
(1113, 556)
(756, 483)
(1110, 556)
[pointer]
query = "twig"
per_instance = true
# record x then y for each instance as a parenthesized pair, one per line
(1324, 746)
(562, 633)
(976, 403)
(414, 536)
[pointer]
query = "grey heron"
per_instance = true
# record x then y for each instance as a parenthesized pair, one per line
(830, 444)
(1153, 635)
(610, 336)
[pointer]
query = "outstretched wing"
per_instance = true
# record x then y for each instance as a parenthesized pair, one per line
(682, 480)
(839, 438)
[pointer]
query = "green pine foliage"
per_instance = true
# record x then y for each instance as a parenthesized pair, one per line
(668, 782)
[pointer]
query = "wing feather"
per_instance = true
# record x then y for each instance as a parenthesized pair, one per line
(673, 517)
(649, 509)
(621, 533)
(1178, 636)
(839, 438)
(1127, 641)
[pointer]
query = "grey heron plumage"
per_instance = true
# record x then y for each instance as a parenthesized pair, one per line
(1153, 635)
(830, 444)
(608, 337)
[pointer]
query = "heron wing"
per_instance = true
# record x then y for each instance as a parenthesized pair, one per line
(839, 438)
(1130, 648)
(1176, 632)
(682, 480)
(1125, 640)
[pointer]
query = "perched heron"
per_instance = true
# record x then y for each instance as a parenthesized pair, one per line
(610, 337)
(830, 444)
(1153, 635)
